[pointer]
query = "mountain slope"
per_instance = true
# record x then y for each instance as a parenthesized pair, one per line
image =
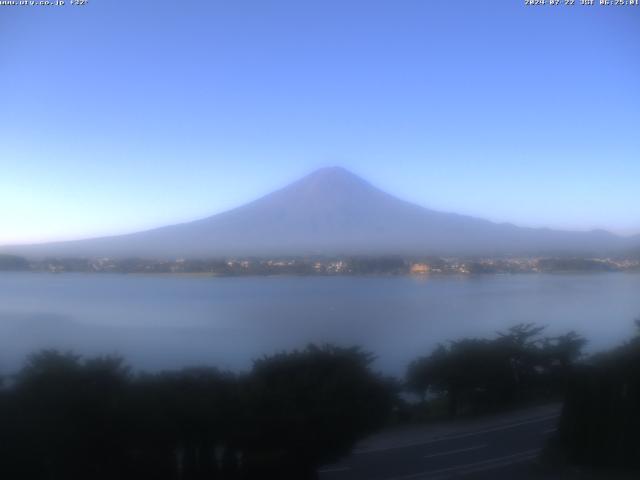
(332, 211)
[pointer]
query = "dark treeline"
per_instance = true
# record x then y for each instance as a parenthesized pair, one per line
(67, 418)
(13, 263)
(600, 423)
(359, 265)
(575, 265)
(475, 375)
(64, 417)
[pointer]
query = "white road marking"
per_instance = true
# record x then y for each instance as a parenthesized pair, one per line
(460, 450)
(458, 436)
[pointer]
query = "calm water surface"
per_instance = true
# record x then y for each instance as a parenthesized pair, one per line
(167, 322)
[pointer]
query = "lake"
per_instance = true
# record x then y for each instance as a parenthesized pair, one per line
(159, 322)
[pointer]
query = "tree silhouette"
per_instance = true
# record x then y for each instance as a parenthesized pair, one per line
(476, 375)
(600, 422)
(309, 407)
(68, 418)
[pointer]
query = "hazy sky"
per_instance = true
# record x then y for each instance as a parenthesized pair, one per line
(125, 115)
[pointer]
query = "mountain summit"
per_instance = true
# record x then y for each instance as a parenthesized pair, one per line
(332, 212)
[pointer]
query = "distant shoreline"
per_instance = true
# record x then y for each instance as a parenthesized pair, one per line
(322, 266)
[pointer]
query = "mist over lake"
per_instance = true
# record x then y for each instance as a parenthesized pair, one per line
(161, 322)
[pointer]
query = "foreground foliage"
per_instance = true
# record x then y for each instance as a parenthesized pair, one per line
(600, 423)
(476, 375)
(64, 417)
(67, 418)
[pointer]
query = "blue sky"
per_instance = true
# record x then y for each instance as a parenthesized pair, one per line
(120, 116)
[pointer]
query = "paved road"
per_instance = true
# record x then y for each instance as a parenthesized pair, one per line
(494, 448)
